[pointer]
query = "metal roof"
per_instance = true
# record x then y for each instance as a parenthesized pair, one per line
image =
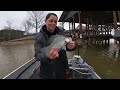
(101, 17)
(66, 15)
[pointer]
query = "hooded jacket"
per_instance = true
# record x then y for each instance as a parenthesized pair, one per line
(50, 69)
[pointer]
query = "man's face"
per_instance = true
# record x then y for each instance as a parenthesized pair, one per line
(51, 23)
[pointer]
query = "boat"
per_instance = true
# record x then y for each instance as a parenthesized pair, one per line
(25, 71)
(79, 69)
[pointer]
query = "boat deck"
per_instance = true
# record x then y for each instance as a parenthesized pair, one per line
(79, 69)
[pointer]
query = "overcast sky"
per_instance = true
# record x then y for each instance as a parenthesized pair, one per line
(17, 17)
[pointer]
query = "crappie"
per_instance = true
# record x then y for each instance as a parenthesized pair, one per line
(56, 41)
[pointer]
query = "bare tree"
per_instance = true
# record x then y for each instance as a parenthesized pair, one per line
(27, 26)
(36, 18)
(9, 25)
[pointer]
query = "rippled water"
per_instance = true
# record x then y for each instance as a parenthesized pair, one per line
(104, 59)
(11, 57)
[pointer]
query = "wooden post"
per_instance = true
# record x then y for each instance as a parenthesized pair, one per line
(63, 24)
(88, 31)
(114, 20)
(72, 28)
(119, 16)
(80, 29)
(101, 28)
(73, 25)
(86, 27)
(110, 27)
(102, 32)
(108, 34)
(73, 22)
(69, 29)
(80, 25)
(96, 31)
(105, 29)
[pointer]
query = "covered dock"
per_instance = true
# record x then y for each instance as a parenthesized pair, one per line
(98, 24)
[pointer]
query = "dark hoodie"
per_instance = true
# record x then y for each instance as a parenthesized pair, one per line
(50, 69)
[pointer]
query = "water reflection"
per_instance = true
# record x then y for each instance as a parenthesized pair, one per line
(11, 57)
(104, 59)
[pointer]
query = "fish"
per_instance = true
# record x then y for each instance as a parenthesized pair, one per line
(56, 41)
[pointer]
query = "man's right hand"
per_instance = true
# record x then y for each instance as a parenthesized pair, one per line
(53, 54)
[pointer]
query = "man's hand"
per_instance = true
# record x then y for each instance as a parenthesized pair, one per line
(71, 45)
(53, 54)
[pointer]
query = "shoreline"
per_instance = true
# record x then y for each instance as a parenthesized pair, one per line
(23, 40)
